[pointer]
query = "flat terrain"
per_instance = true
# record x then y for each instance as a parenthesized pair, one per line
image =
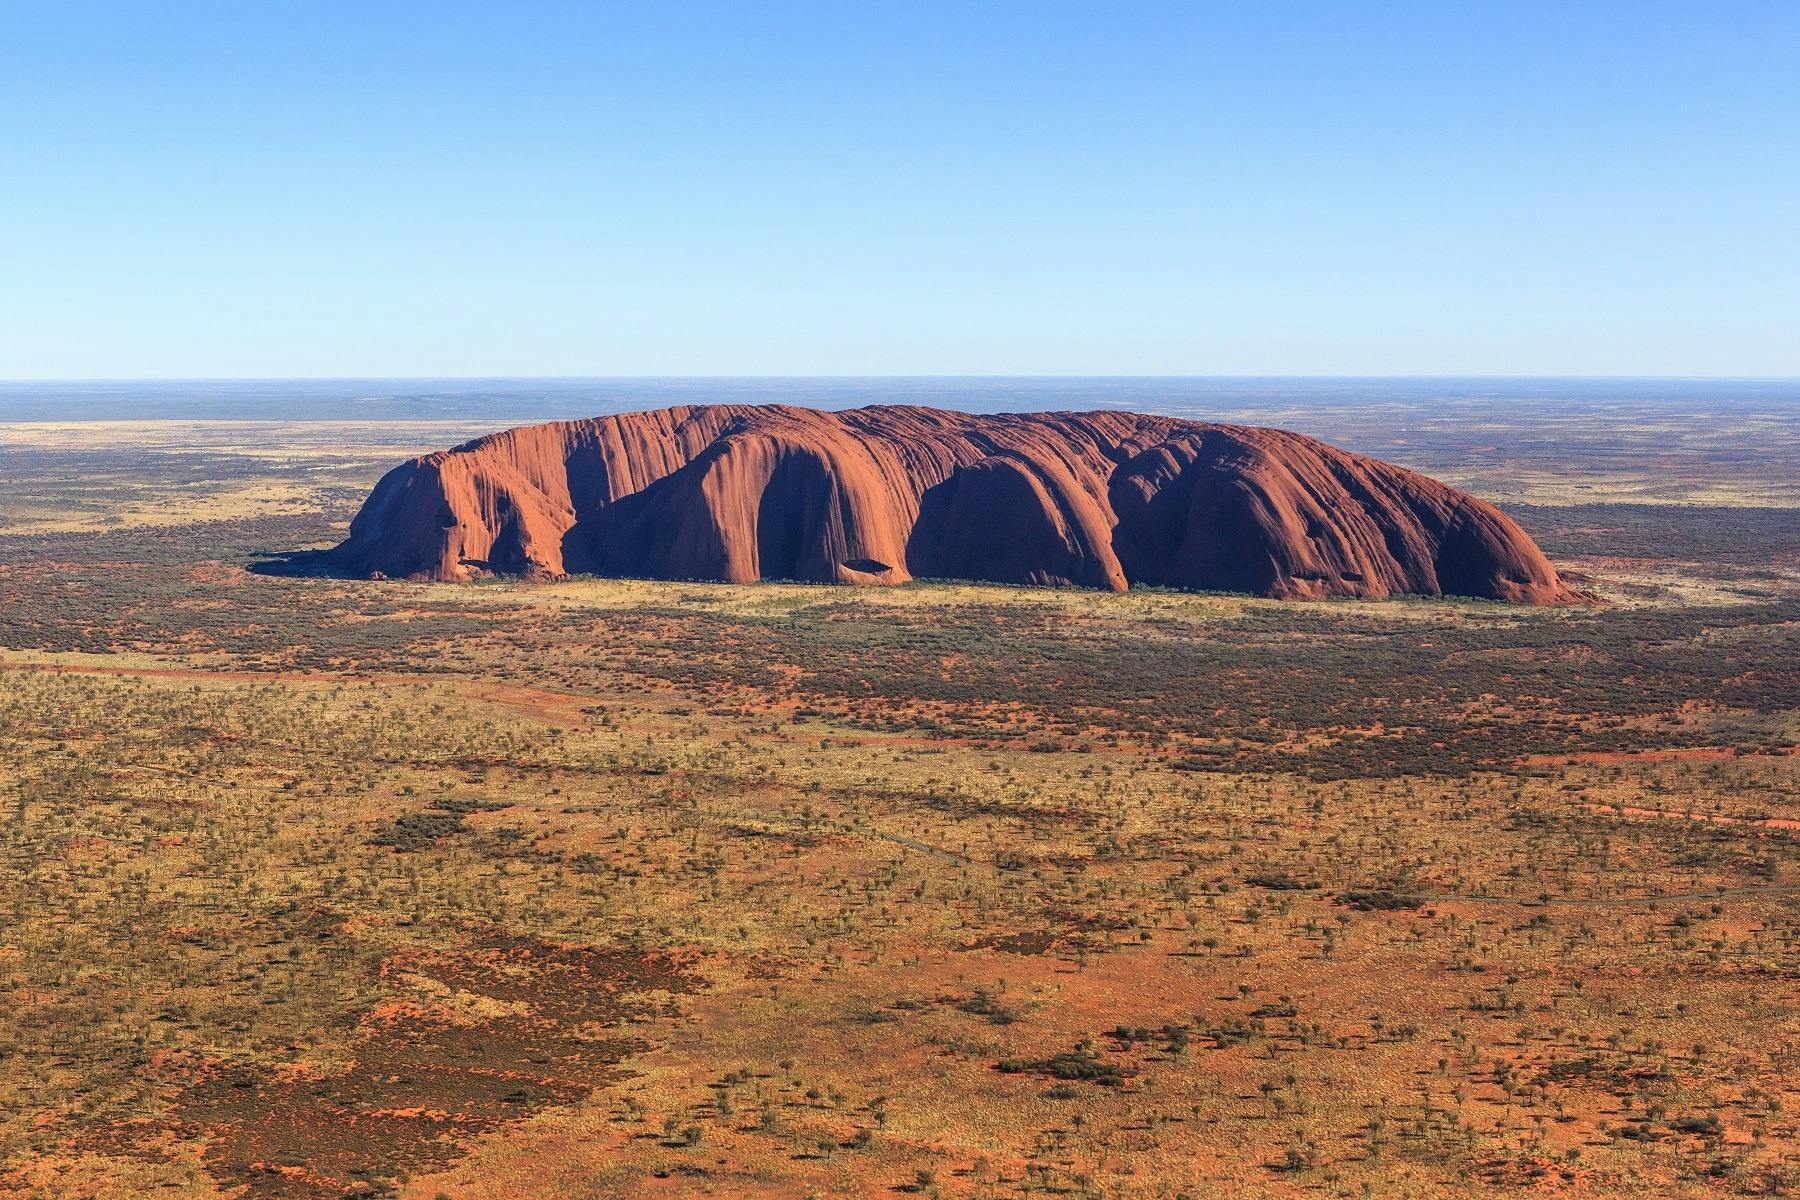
(318, 887)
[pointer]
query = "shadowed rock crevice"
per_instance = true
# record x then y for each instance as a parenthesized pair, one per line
(740, 493)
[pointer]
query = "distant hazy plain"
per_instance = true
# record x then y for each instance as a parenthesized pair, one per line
(508, 401)
(1531, 440)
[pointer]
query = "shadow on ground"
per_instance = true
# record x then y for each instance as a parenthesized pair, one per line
(301, 564)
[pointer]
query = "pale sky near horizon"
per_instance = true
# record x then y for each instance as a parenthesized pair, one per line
(384, 189)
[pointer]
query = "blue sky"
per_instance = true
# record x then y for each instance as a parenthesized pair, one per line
(262, 188)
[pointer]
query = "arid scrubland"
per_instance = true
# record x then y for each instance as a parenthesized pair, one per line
(317, 888)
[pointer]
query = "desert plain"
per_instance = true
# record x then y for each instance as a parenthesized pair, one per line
(318, 887)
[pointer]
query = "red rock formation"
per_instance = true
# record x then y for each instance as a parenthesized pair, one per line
(886, 494)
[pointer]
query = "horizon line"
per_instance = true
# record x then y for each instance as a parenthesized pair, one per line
(1530, 376)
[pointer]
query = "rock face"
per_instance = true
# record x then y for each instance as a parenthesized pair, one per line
(881, 495)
